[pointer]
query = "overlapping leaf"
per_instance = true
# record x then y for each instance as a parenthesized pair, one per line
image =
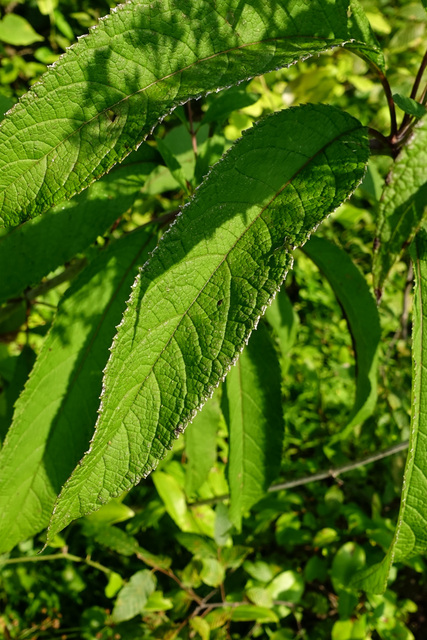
(39, 246)
(403, 204)
(55, 414)
(110, 89)
(356, 300)
(197, 300)
(255, 422)
(410, 537)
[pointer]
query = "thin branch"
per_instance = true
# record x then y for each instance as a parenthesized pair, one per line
(57, 556)
(419, 77)
(389, 97)
(322, 475)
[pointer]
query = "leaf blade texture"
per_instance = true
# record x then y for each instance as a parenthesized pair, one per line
(34, 249)
(403, 205)
(255, 423)
(410, 537)
(361, 313)
(105, 95)
(41, 447)
(214, 273)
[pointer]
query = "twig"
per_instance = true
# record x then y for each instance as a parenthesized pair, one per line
(322, 475)
(57, 556)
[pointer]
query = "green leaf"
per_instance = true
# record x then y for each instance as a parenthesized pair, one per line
(255, 424)
(247, 612)
(200, 445)
(230, 100)
(24, 364)
(361, 313)
(54, 416)
(134, 595)
(17, 31)
(410, 106)
(110, 89)
(403, 205)
(284, 320)
(195, 303)
(410, 537)
(31, 251)
(288, 586)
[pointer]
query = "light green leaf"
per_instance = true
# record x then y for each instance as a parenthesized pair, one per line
(110, 89)
(288, 586)
(283, 318)
(410, 106)
(361, 313)
(212, 573)
(111, 513)
(55, 414)
(31, 251)
(17, 31)
(403, 205)
(410, 537)
(255, 424)
(200, 445)
(214, 273)
(247, 612)
(115, 583)
(134, 596)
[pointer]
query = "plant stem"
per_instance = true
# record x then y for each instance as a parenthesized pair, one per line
(322, 475)
(57, 556)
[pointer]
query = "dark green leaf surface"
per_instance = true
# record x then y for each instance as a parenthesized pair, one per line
(55, 414)
(410, 106)
(195, 303)
(283, 318)
(410, 537)
(110, 89)
(39, 246)
(255, 424)
(200, 445)
(361, 313)
(403, 205)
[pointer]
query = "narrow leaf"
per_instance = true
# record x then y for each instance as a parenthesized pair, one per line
(410, 536)
(133, 596)
(200, 445)
(403, 205)
(55, 414)
(410, 106)
(283, 318)
(361, 313)
(110, 89)
(197, 300)
(39, 246)
(255, 423)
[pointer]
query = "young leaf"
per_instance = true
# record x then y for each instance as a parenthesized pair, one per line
(195, 303)
(110, 89)
(410, 537)
(200, 445)
(54, 416)
(255, 423)
(410, 106)
(361, 313)
(37, 247)
(403, 205)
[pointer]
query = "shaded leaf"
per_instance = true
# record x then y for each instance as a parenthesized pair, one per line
(403, 205)
(197, 300)
(134, 595)
(255, 424)
(410, 537)
(111, 88)
(361, 313)
(43, 443)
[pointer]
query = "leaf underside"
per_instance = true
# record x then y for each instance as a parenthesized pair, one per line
(410, 536)
(195, 303)
(105, 95)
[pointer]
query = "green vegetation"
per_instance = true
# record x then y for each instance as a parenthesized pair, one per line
(140, 276)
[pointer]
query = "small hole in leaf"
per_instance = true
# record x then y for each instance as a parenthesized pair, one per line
(111, 115)
(219, 303)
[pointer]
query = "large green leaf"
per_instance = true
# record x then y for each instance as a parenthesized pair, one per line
(110, 89)
(32, 250)
(403, 205)
(410, 537)
(255, 423)
(195, 303)
(361, 313)
(55, 414)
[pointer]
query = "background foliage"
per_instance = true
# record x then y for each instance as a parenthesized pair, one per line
(150, 564)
